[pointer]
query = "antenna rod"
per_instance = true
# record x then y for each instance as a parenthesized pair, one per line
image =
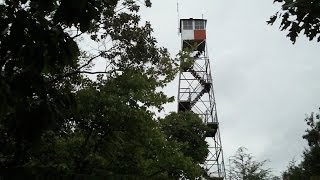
(178, 16)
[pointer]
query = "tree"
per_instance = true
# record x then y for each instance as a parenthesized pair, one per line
(299, 16)
(53, 118)
(294, 172)
(188, 129)
(244, 167)
(112, 137)
(311, 156)
(35, 51)
(310, 165)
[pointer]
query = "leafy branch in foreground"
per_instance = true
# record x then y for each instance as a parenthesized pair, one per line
(299, 16)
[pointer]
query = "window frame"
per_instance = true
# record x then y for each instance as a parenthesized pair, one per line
(187, 25)
(199, 25)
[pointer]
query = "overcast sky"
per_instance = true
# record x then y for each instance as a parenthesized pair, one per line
(264, 85)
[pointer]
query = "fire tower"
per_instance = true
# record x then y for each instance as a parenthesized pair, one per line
(196, 92)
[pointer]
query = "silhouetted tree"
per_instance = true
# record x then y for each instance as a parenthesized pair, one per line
(310, 165)
(52, 116)
(294, 172)
(299, 16)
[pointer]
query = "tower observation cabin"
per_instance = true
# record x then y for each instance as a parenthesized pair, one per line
(193, 31)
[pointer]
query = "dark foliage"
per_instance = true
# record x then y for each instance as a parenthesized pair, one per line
(52, 116)
(299, 16)
(310, 165)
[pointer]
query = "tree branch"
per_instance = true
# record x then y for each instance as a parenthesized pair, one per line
(90, 72)
(89, 61)
(157, 172)
(77, 35)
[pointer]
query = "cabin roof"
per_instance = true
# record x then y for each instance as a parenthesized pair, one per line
(192, 19)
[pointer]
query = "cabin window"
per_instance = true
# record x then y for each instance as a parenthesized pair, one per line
(187, 25)
(199, 24)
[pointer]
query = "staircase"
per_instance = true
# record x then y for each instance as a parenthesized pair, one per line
(198, 97)
(206, 86)
(197, 76)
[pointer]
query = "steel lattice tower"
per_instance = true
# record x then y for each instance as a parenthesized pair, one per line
(196, 91)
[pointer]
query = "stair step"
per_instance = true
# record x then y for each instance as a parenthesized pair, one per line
(197, 76)
(198, 97)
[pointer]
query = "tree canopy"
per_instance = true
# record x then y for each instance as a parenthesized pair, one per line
(310, 165)
(299, 16)
(188, 128)
(54, 118)
(244, 167)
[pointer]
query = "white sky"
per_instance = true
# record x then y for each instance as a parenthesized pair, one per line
(263, 84)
